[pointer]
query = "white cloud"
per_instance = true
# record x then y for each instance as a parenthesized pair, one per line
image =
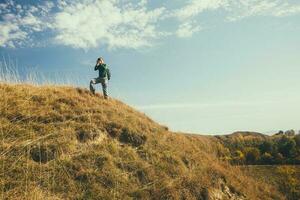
(19, 23)
(61, 4)
(187, 29)
(248, 8)
(10, 35)
(86, 25)
(238, 9)
(115, 24)
(195, 7)
(287, 10)
(3, 6)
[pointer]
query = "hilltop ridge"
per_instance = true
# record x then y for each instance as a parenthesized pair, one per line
(64, 143)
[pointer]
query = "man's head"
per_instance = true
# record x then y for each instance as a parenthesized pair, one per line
(100, 60)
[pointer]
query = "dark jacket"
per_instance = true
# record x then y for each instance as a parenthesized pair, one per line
(103, 71)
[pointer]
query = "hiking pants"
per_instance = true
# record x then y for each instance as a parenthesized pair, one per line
(104, 83)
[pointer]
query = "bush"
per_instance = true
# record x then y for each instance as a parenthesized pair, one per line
(267, 158)
(279, 159)
(238, 157)
(43, 153)
(130, 137)
(86, 135)
(113, 129)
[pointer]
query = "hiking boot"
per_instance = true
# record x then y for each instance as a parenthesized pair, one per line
(92, 90)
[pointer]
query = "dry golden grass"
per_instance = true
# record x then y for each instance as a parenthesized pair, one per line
(64, 143)
(286, 178)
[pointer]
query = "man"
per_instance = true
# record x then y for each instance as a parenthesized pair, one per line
(104, 76)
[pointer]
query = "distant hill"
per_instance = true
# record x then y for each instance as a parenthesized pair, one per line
(64, 143)
(247, 133)
(241, 137)
(244, 134)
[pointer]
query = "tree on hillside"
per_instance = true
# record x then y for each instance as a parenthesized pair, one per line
(287, 146)
(290, 132)
(297, 140)
(280, 133)
(266, 146)
(252, 155)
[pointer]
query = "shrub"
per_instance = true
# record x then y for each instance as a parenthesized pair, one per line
(113, 129)
(43, 153)
(279, 159)
(267, 158)
(130, 137)
(86, 135)
(238, 157)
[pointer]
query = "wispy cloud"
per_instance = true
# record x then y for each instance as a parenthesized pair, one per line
(273, 8)
(87, 24)
(194, 7)
(115, 24)
(19, 23)
(203, 105)
(187, 29)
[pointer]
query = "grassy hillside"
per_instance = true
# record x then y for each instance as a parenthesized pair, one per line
(286, 178)
(64, 143)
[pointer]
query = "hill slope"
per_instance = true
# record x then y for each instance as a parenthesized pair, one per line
(286, 178)
(64, 143)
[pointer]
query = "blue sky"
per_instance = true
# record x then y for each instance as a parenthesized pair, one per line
(202, 66)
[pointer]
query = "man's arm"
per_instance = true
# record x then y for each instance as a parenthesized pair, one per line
(96, 67)
(108, 74)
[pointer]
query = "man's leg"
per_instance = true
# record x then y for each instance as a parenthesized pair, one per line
(104, 88)
(92, 83)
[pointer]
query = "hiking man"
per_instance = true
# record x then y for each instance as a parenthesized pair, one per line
(104, 76)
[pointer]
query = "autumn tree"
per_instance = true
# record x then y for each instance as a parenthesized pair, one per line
(252, 155)
(287, 146)
(266, 146)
